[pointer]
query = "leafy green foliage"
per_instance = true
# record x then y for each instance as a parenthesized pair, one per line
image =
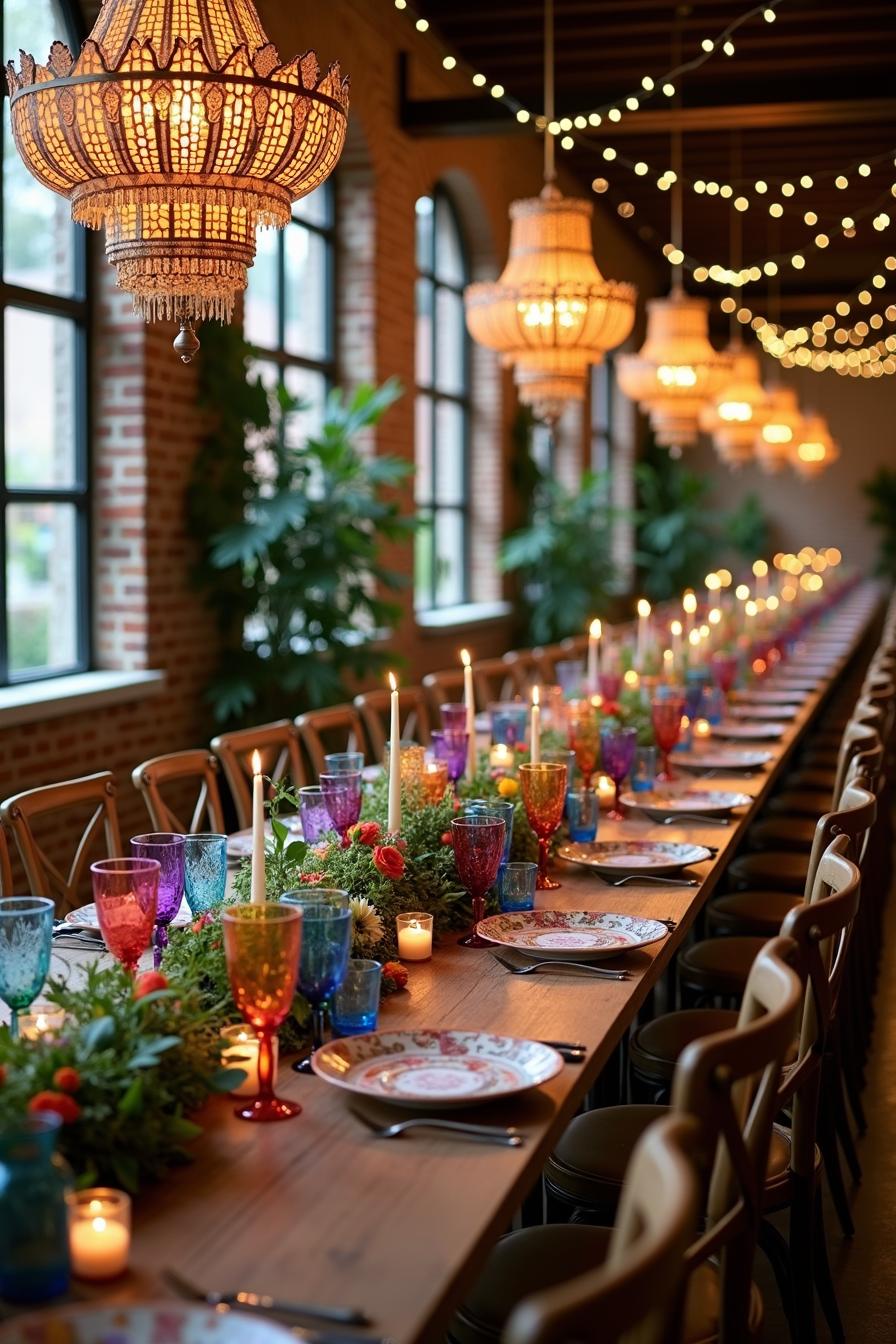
(144, 1066)
(880, 491)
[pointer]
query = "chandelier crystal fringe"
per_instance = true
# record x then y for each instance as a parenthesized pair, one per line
(179, 131)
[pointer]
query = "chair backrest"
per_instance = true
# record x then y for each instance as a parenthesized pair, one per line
(853, 818)
(857, 736)
(337, 728)
(492, 681)
(187, 774)
(576, 646)
(442, 688)
(631, 1297)
(524, 670)
(413, 712)
(546, 659)
(95, 793)
(5, 867)
(729, 1082)
(281, 758)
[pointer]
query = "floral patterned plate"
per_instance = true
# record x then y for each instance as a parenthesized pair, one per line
(584, 934)
(85, 918)
(661, 804)
(748, 731)
(147, 1323)
(435, 1068)
(775, 711)
(785, 696)
(723, 758)
(621, 857)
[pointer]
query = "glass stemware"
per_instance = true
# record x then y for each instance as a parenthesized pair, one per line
(478, 849)
(666, 715)
(450, 747)
(454, 717)
(509, 721)
(205, 870)
(341, 795)
(168, 849)
(494, 807)
(316, 821)
(326, 947)
(724, 667)
(543, 788)
(26, 937)
(344, 762)
(126, 892)
(584, 738)
(262, 945)
(617, 754)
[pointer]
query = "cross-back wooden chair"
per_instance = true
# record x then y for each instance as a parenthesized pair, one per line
(492, 681)
(524, 672)
(23, 813)
(443, 688)
(185, 773)
(575, 646)
(546, 658)
(280, 750)
(413, 712)
(337, 728)
(5, 866)
(632, 1296)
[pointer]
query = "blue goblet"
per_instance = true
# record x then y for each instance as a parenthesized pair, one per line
(326, 946)
(26, 937)
(205, 870)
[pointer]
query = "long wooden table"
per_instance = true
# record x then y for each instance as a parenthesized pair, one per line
(320, 1209)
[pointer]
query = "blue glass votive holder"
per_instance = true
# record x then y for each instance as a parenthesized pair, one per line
(510, 722)
(205, 870)
(643, 772)
(355, 1006)
(517, 887)
(582, 814)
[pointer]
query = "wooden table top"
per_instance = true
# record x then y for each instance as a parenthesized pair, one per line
(320, 1209)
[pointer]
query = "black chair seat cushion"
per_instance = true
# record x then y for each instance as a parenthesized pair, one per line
(654, 1047)
(782, 832)
(773, 869)
(809, 779)
(753, 912)
(718, 965)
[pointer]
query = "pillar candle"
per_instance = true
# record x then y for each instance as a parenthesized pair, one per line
(393, 824)
(594, 634)
(470, 704)
(535, 729)
(258, 885)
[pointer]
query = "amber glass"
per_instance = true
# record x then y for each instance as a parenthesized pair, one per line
(544, 793)
(584, 738)
(262, 944)
(667, 716)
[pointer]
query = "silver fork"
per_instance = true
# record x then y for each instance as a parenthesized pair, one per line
(531, 966)
(505, 1137)
(651, 877)
(696, 816)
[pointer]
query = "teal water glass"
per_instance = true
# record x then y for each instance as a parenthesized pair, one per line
(205, 870)
(355, 1006)
(517, 889)
(34, 1185)
(26, 937)
(344, 762)
(324, 958)
(582, 814)
(643, 773)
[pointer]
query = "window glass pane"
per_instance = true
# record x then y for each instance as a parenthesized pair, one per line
(316, 208)
(424, 216)
(41, 587)
(450, 474)
(311, 388)
(450, 342)
(38, 234)
(423, 577)
(450, 559)
(32, 25)
(40, 413)
(423, 453)
(424, 292)
(261, 318)
(305, 296)
(449, 252)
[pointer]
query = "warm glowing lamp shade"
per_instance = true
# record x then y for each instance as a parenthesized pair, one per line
(676, 370)
(737, 410)
(551, 314)
(179, 131)
(814, 448)
(774, 442)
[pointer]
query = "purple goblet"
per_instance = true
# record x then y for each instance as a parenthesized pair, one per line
(617, 755)
(168, 849)
(316, 820)
(454, 717)
(478, 850)
(610, 684)
(452, 749)
(342, 799)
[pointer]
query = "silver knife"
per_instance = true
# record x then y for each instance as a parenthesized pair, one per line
(262, 1303)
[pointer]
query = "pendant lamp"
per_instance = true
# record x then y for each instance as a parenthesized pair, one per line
(814, 448)
(551, 314)
(775, 440)
(732, 417)
(179, 131)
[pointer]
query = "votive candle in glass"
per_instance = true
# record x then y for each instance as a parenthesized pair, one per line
(99, 1232)
(606, 791)
(414, 936)
(241, 1048)
(42, 1019)
(435, 782)
(501, 757)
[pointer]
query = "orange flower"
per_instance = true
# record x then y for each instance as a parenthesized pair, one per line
(365, 832)
(388, 860)
(395, 973)
(67, 1079)
(148, 983)
(447, 838)
(58, 1103)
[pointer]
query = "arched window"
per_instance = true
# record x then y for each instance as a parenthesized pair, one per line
(290, 306)
(442, 431)
(44, 468)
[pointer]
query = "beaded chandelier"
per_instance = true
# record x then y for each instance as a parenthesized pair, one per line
(179, 131)
(738, 409)
(814, 448)
(776, 438)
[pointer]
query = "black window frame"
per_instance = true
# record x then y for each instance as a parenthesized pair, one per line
(602, 427)
(77, 308)
(429, 509)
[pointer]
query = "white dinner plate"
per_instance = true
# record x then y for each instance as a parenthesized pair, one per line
(712, 802)
(769, 696)
(723, 758)
(86, 919)
(744, 730)
(588, 935)
(764, 712)
(435, 1068)
(619, 858)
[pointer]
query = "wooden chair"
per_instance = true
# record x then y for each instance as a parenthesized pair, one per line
(524, 671)
(492, 680)
(185, 772)
(51, 802)
(413, 712)
(546, 659)
(442, 688)
(281, 757)
(575, 646)
(634, 1294)
(5, 867)
(337, 728)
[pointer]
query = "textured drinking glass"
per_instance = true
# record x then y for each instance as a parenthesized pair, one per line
(617, 752)
(543, 788)
(26, 937)
(452, 749)
(582, 814)
(715, 705)
(434, 781)
(326, 945)
(341, 795)
(666, 716)
(355, 1006)
(126, 892)
(205, 870)
(262, 945)
(168, 849)
(584, 737)
(316, 821)
(454, 717)
(610, 684)
(570, 674)
(724, 670)
(694, 693)
(344, 762)
(35, 1183)
(494, 807)
(510, 722)
(518, 886)
(478, 848)
(643, 773)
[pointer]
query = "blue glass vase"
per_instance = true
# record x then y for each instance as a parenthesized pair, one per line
(34, 1184)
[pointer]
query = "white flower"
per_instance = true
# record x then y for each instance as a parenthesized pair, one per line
(368, 926)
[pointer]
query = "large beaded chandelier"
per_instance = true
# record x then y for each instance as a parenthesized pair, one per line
(733, 416)
(814, 449)
(551, 313)
(784, 422)
(179, 131)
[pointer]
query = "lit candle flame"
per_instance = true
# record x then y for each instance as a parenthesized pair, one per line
(595, 629)
(689, 602)
(465, 657)
(644, 607)
(715, 616)
(536, 696)
(393, 684)
(741, 592)
(760, 568)
(256, 763)
(676, 629)
(694, 638)
(712, 582)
